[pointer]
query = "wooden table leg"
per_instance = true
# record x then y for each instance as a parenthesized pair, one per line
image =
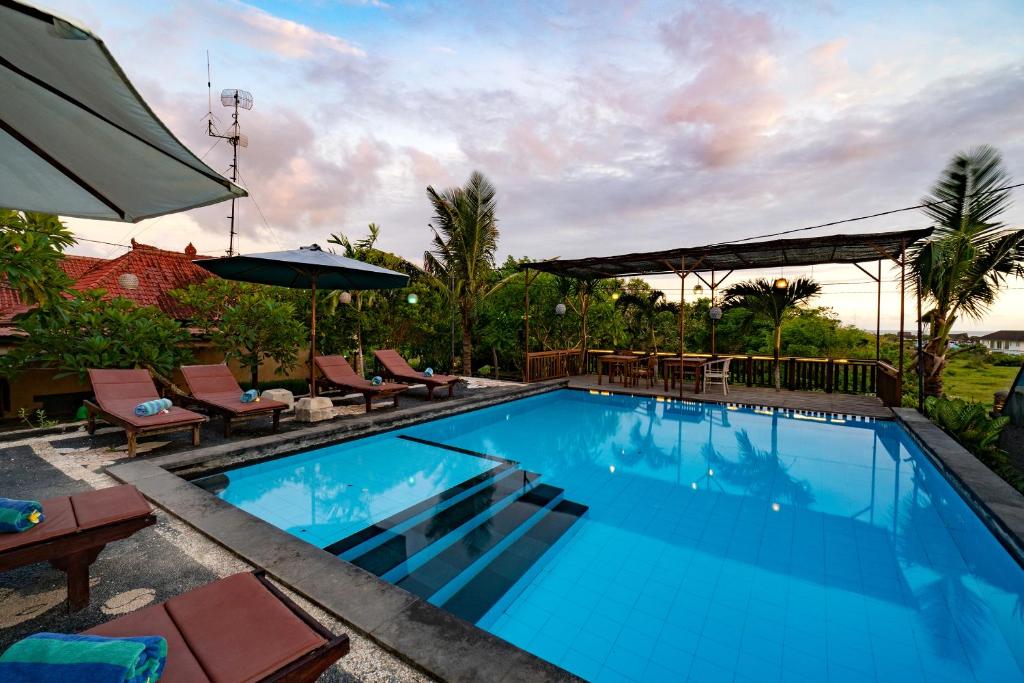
(600, 372)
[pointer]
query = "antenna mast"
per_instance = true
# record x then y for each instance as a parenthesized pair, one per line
(236, 99)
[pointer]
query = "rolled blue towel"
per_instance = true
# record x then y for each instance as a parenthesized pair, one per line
(150, 408)
(429, 372)
(19, 515)
(377, 380)
(61, 658)
(250, 396)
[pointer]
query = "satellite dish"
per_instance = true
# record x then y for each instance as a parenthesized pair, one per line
(230, 96)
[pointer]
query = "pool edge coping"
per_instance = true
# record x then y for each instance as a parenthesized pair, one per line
(999, 505)
(417, 632)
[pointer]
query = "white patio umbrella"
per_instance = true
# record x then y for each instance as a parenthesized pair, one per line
(76, 138)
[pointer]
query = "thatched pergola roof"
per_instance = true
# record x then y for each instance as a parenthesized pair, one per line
(803, 251)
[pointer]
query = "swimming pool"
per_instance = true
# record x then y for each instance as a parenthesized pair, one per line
(628, 538)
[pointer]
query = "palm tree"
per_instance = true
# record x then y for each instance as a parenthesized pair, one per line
(970, 254)
(762, 299)
(462, 259)
(642, 309)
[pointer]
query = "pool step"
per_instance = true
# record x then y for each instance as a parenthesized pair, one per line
(477, 596)
(445, 527)
(478, 545)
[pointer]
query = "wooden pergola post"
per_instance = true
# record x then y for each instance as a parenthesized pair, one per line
(682, 314)
(920, 357)
(903, 307)
(878, 315)
(526, 323)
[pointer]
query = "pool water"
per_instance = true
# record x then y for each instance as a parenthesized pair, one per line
(676, 541)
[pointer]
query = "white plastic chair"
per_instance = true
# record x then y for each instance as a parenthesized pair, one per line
(717, 372)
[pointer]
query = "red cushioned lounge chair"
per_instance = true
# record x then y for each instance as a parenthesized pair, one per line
(74, 531)
(396, 367)
(214, 387)
(336, 373)
(119, 391)
(241, 628)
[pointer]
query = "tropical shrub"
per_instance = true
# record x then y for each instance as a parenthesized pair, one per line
(976, 430)
(31, 247)
(90, 331)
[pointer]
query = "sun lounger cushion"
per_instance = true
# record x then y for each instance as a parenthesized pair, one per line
(209, 619)
(83, 659)
(19, 515)
(60, 520)
(154, 620)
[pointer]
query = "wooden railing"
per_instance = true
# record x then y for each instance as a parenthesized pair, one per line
(542, 365)
(831, 375)
(890, 385)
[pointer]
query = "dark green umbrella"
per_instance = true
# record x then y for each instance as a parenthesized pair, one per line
(305, 268)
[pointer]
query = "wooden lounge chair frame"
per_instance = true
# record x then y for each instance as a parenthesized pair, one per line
(393, 363)
(347, 380)
(304, 669)
(262, 409)
(75, 551)
(135, 427)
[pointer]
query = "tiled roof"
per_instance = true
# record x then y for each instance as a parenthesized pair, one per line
(157, 271)
(1005, 335)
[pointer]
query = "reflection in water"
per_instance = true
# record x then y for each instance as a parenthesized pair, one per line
(759, 472)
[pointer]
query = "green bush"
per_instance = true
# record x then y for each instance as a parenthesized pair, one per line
(976, 430)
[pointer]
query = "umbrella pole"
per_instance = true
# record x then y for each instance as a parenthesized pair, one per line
(312, 345)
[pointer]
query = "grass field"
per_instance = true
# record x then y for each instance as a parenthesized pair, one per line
(971, 380)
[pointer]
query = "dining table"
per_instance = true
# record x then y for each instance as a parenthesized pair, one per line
(676, 365)
(624, 363)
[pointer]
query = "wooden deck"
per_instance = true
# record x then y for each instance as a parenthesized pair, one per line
(813, 401)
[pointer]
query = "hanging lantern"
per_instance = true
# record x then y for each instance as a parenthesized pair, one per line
(413, 299)
(128, 281)
(559, 309)
(715, 313)
(615, 296)
(345, 298)
(781, 283)
(698, 290)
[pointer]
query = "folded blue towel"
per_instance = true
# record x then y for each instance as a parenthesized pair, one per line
(429, 372)
(60, 658)
(150, 408)
(250, 396)
(377, 380)
(19, 515)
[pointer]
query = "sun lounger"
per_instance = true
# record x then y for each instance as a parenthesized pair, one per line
(119, 391)
(214, 387)
(396, 368)
(338, 374)
(241, 628)
(74, 531)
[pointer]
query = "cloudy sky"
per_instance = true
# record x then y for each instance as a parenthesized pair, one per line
(607, 127)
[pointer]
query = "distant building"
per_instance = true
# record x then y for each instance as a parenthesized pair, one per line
(1005, 341)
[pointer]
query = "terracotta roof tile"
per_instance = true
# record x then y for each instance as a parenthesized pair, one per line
(158, 272)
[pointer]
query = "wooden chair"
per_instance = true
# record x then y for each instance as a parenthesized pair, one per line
(73, 533)
(336, 373)
(119, 391)
(646, 369)
(397, 368)
(214, 388)
(717, 372)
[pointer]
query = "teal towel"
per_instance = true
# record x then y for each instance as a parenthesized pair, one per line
(154, 407)
(60, 658)
(376, 381)
(250, 396)
(19, 515)
(429, 372)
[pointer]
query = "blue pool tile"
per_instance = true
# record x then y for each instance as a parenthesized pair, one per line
(704, 671)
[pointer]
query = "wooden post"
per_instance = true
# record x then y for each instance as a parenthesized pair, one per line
(526, 321)
(682, 319)
(903, 306)
(920, 357)
(312, 342)
(878, 316)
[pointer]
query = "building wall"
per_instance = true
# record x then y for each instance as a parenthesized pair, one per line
(1014, 347)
